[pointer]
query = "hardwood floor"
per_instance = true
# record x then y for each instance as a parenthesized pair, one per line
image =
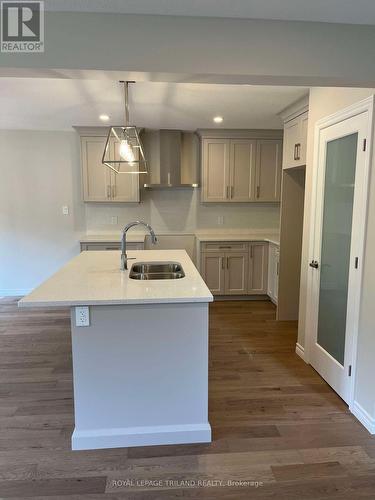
(274, 421)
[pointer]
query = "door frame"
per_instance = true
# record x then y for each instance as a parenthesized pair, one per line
(366, 105)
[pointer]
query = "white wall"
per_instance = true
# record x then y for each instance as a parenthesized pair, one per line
(180, 211)
(323, 102)
(39, 173)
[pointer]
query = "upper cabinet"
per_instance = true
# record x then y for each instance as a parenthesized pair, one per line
(268, 170)
(216, 169)
(241, 169)
(100, 184)
(295, 134)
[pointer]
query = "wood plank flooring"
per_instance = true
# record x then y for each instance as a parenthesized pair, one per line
(277, 426)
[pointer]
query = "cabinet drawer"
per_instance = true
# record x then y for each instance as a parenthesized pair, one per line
(110, 246)
(224, 246)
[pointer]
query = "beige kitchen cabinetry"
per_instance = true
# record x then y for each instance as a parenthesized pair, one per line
(258, 268)
(295, 136)
(100, 183)
(110, 245)
(224, 268)
(268, 170)
(273, 272)
(241, 169)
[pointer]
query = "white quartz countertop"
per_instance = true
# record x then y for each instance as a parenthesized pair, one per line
(112, 238)
(237, 236)
(94, 278)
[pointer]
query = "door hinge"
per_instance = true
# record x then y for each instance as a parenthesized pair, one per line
(364, 144)
(356, 263)
(350, 371)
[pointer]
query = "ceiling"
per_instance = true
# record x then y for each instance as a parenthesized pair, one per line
(335, 11)
(57, 104)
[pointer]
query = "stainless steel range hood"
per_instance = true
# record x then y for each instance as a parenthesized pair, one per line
(172, 157)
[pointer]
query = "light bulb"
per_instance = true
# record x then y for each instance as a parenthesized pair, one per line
(126, 151)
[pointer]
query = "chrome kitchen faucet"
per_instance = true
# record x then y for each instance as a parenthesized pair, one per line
(124, 256)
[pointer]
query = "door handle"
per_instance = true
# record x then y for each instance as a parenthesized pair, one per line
(314, 264)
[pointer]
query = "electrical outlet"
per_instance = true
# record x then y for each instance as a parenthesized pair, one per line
(82, 316)
(114, 219)
(65, 210)
(220, 220)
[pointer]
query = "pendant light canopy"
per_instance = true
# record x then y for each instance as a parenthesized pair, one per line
(123, 152)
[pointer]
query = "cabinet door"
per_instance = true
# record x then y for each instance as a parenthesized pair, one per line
(268, 170)
(96, 177)
(124, 187)
(303, 138)
(236, 273)
(242, 170)
(291, 139)
(258, 268)
(271, 271)
(215, 174)
(213, 271)
(277, 260)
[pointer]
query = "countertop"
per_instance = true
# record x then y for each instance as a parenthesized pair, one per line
(206, 236)
(94, 278)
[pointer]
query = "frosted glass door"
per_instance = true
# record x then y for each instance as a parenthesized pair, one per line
(341, 157)
(338, 229)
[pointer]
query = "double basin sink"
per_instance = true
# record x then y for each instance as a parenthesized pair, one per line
(156, 271)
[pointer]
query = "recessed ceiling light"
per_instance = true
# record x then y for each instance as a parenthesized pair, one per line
(104, 118)
(218, 119)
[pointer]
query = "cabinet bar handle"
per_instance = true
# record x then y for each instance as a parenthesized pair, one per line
(231, 191)
(298, 151)
(258, 191)
(222, 263)
(227, 191)
(224, 247)
(113, 191)
(251, 251)
(109, 192)
(227, 263)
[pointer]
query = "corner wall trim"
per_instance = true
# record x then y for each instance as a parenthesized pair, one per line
(363, 416)
(300, 350)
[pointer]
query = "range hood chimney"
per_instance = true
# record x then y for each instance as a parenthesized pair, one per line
(172, 157)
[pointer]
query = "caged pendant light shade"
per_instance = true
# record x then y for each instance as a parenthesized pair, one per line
(123, 152)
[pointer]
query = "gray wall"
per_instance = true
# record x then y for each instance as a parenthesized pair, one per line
(205, 49)
(39, 174)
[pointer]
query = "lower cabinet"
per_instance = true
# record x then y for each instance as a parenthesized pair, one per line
(258, 268)
(225, 273)
(273, 272)
(235, 268)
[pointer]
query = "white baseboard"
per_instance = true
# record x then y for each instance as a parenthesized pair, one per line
(14, 292)
(141, 436)
(300, 350)
(363, 416)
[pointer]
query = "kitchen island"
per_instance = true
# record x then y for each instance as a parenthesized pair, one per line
(140, 367)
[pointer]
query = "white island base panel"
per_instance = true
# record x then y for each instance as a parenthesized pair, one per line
(140, 375)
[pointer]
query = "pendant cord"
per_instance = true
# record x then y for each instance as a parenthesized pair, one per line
(126, 97)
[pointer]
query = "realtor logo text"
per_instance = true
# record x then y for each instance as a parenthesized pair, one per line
(22, 26)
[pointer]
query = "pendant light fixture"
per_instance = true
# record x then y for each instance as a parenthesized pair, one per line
(123, 152)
